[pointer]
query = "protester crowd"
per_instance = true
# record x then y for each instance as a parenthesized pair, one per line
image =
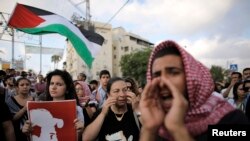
(178, 102)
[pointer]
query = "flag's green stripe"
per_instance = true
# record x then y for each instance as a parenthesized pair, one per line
(77, 42)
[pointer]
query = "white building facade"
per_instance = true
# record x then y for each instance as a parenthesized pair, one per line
(117, 43)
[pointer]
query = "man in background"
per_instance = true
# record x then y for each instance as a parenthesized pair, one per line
(228, 92)
(102, 89)
(246, 74)
(81, 77)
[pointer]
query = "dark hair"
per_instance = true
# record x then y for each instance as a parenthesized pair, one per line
(169, 50)
(2, 72)
(236, 85)
(134, 87)
(111, 81)
(70, 88)
(244, 85)
(216, 84)
(83, 75)
(239, 74)
(246, 69)
(104, 72)
(21, 78)
(93, 82)
(23, 74)
(8, 77)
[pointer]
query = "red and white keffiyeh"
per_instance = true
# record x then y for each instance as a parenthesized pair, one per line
(205, 108)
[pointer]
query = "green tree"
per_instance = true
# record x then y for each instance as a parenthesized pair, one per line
(55, 59)
(218, 73)
(135, 65)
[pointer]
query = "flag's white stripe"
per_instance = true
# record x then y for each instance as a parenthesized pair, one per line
(55, 19)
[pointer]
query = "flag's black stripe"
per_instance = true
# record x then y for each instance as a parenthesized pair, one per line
(92, 36)
(38, 11)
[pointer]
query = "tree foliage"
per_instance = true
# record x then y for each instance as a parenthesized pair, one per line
(56, 59)
(218, 73)
(135, 65)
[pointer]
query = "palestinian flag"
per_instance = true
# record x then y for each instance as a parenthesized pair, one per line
(36, 21)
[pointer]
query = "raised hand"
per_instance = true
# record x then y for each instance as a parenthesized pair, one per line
(133, 100)
(174, 119)
(110, 101)
(79, 125)
(27, 127)
(152, 114)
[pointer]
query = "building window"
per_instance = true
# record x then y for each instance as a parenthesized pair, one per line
(114, 56)
(132, 38)
(126, 48)
(114, 48)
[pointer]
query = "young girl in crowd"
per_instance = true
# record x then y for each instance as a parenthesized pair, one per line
(83, 93)
(239, 96)
(60, 86)
(17, 106)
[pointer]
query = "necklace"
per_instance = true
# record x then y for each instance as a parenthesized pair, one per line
(119, 116)
(115, 111)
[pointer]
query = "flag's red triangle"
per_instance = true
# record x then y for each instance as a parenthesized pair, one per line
(24, 18)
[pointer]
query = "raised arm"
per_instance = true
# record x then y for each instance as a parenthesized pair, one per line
(174, 119)
(92, 130)
(152, 114)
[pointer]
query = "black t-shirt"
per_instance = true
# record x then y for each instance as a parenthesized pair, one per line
(5, 116)
(17, 124)
(86, 117)
(112, 129)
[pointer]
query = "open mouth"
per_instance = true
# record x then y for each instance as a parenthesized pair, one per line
(166, 95)
(124, 100)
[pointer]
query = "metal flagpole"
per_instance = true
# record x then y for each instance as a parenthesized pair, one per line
(13, 65)
(13, 53)
(40, 42)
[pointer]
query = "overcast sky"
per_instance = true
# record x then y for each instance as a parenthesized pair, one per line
(216, 32)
